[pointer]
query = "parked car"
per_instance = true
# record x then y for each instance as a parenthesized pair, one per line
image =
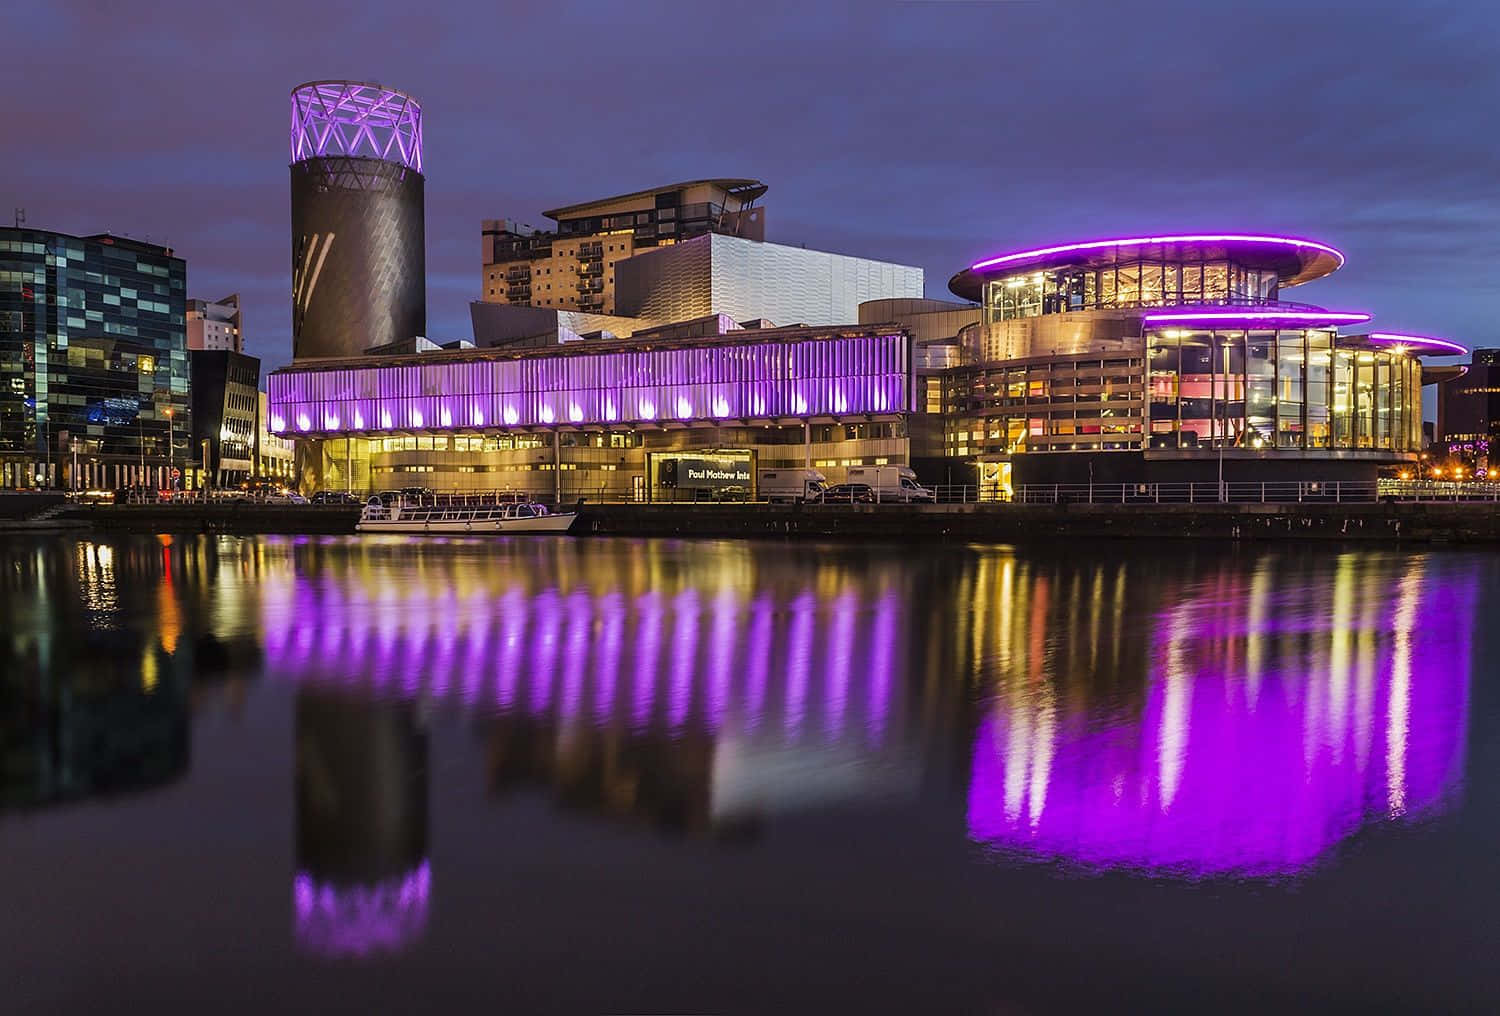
(735, 493)
(290, 497)
(848, 493)
(338, 497)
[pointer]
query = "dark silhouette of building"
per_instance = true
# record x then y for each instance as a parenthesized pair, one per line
(225, 399)
(1468, 406)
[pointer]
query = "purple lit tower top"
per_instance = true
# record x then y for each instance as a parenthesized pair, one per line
(357, 119)
(358, 221)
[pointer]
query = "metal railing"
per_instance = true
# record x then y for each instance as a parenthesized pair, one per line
(1268, 492)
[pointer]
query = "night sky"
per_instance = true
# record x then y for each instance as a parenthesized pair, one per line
(930, 133)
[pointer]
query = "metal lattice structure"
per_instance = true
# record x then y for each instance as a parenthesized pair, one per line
(358, 119)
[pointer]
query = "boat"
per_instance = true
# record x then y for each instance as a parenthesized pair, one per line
(459, 520)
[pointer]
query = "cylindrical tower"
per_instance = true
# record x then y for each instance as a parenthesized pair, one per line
(359, 259)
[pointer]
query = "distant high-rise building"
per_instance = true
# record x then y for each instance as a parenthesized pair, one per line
(93, 347)
(358, 237)
(1468, 406)
(572, 266)
(215, 324)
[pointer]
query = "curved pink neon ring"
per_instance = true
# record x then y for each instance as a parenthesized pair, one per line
(1447, 346)
(1185, 238)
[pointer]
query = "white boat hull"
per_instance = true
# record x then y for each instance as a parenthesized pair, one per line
(438, 527)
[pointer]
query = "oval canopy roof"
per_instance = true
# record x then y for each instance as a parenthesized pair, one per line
(1294, 260)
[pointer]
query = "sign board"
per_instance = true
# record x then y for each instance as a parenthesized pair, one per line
(705, 474)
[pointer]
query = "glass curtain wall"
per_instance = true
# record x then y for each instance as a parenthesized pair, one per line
(1279, 389)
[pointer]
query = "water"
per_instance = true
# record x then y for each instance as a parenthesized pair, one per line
(669, 776)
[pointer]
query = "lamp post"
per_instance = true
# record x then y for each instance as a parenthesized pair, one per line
(1223, 412)
(170, 450)
(73, 477)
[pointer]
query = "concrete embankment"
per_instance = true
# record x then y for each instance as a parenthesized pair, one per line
(1457, 523)
(1380, 523)
(219, 518)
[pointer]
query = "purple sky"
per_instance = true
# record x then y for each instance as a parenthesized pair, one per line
(930, 133)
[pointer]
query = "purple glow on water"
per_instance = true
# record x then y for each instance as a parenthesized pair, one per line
(649, 610)
(613, 609)
(361, 920)
(684, 656)
(721, 650)
(884, 649)
(701, 657)
(576, 657)
(762, 631)
(799, 659)
(1254, 764)
(513, 615)
(852, 375)
(840, 660)
(544, 649)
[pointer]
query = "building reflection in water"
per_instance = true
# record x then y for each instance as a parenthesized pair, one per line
(1282, 708)
(363, 880)
(97, 675)
(1200, 716)
(701, 692)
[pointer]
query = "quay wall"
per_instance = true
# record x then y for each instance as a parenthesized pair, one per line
(1466, 523)
(984, 523)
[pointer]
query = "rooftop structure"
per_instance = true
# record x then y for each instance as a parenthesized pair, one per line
(571, 266)
(215, 324)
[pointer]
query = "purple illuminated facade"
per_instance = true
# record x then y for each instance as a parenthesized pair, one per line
(1261, 744)
(1180, 350)
(687, 383)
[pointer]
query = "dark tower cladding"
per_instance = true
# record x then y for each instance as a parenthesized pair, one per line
(358, 238)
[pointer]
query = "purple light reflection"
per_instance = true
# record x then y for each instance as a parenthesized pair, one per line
(560, 653)
(1255, 764)
(361, 920)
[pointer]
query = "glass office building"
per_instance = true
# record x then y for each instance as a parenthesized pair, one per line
(93, 357)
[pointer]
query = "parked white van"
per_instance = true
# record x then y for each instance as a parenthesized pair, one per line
(891, 483)
(786, 486)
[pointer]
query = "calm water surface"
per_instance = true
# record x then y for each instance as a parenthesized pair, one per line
(245, 774)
